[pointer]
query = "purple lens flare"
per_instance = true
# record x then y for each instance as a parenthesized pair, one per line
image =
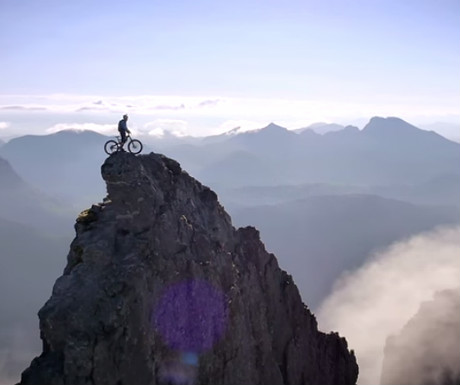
(191, 316)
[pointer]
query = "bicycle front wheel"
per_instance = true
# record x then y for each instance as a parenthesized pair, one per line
(110, 147)
(135, 146)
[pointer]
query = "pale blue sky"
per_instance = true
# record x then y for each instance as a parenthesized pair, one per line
(382, 55)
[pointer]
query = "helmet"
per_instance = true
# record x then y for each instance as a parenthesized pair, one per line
(125, 116)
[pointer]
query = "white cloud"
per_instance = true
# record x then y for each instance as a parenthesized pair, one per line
(101, 128)
(209, 114)
(4, 125)
(267, 109)
(209, 103)
(163, 127)
(379, 298)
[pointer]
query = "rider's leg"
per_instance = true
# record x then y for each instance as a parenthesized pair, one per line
(123, 138)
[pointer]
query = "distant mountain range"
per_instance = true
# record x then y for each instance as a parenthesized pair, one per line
(386, 152)
(65, 164)
(322, 128)
(398, 178)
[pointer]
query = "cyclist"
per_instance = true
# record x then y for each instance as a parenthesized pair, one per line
(123, 129)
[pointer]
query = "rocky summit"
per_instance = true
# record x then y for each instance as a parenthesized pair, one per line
(159, 288)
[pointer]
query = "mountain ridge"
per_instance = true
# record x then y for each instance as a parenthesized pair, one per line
(319, 128)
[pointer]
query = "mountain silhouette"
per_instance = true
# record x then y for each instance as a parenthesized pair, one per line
(386, 151)
(263, 140)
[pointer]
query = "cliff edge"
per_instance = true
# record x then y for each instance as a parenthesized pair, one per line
(159, 288)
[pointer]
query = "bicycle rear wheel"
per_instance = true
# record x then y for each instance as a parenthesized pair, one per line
(135, 146)
(110, 147)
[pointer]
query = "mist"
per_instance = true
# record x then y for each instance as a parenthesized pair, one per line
(427, 351)
(378, 299)
(19, 344)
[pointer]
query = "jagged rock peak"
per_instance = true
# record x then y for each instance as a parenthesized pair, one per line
(159, 288)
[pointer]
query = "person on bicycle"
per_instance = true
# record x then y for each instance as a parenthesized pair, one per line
(123, 129)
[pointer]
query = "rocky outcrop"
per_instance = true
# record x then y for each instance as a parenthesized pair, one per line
(159, 288)
(427, 351)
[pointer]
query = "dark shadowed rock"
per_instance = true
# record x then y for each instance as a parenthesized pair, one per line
(159, 288)
(427, 351)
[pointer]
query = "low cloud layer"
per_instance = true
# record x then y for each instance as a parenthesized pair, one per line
(378, 299)
(101, 128)
(163, 127)
(206, 114)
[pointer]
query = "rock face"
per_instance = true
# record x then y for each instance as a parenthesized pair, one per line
(427, 351)
(159, 288)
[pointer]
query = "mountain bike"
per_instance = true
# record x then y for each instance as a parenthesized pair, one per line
(112, 146)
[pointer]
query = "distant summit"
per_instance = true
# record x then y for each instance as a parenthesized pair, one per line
(389, 126)
(269, 129)
(237, 132)
(272, 127)
(159, 288)
(398, 132)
